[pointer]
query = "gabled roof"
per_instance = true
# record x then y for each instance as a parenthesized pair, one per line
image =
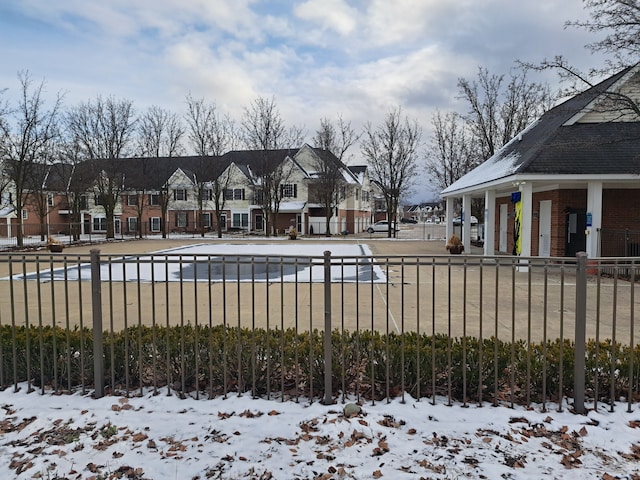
(151, 173)
(558, 145)
(258, 160)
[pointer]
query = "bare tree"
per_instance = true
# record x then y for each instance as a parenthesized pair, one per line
(25, 141)
(264, 130)
(73, 178)
(329, 179)
(38, 196)
(160, 133)
(327, 184)
(498, 113)
(391, 150)
(104, 131)
(451, 152)
(335, 138)
(210, 134)
(619, 20)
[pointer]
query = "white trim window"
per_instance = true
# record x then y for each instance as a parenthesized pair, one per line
(240, 220)
(154, 224)
(180, 194)
(132, 224)
(99, 224)
(132, 200)
(289, 190)
(50, 199)
(154, 199)
(25, 214)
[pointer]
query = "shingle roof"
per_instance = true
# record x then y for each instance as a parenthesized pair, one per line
(554, 145)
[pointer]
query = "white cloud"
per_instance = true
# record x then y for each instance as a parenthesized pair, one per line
(334, 15)
(319, 58)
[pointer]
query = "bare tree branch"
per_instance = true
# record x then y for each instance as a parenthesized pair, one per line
(26, 142)
(391, 151)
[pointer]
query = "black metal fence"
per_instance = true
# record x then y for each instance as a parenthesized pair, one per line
(466, 328)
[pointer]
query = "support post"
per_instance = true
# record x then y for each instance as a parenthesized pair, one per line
(328, 361)
(580, 333)
(96, 307)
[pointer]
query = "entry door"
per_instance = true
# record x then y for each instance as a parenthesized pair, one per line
(576, 240)
(544, 244)
(503, 227)
(223, 222)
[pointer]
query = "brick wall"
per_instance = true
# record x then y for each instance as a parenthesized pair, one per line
(621, 209)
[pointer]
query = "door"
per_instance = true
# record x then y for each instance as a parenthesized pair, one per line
(544, 242)
(223, 222)
(576, 225)
(503, 227)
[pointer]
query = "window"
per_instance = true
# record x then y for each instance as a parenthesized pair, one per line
(356, 192)
(83, 202)
(25, 214)
(99, 224)
(228, 193)
(50, 199)
(289, 190)
(132, 200)
(258, 197)
(154, 199)
(97, 199)
(132, 224)
(154, 223)
(207, 194)
(240, 220)
(365, 196)
(238, 194)
(180, 194)
(343, 192)
(181, 219)
(206, 220)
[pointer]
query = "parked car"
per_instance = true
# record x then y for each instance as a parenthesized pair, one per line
(408, 220)
(458, 220)
(381, 226)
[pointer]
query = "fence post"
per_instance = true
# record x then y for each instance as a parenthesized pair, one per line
(328, 361)
(580, 333)
(96, 307)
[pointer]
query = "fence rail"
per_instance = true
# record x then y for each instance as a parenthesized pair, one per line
(482, 329)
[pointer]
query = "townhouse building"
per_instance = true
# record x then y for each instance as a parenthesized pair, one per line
(195, 195)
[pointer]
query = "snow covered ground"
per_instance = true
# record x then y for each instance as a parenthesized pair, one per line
(164, 437)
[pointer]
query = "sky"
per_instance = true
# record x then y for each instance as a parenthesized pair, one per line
(161, 436)
(316, 58)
